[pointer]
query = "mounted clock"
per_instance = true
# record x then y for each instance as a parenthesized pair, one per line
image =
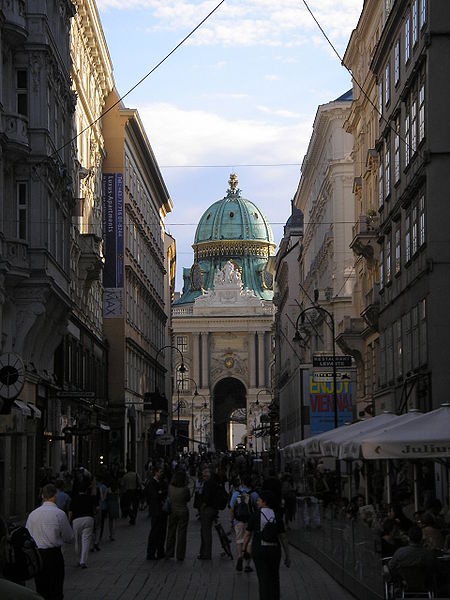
(12, 375)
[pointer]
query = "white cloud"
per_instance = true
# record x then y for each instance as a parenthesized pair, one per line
(271, 77)
(257, 22)
(286, 114)
(198, 137)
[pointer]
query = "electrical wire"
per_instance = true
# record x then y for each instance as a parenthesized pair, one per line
(380, 114)
(142, 78)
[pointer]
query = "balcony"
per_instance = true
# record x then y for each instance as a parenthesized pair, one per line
(15, 130)
(14, 27)
(349, 336)
(14, 259)
(364, 236)
(372, 307)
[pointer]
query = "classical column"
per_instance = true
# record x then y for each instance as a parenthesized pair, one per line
(251, 360)
(205, 361)
(196, 358)
(261, 360)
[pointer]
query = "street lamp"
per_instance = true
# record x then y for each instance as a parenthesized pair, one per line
(298, 338)
(182, 367)
(202, 421)
(181, 381)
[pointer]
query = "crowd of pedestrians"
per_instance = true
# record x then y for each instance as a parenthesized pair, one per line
(76, 508)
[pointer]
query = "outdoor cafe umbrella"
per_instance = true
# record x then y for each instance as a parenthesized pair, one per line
(427, 436)
(351, 448)
(331, 444)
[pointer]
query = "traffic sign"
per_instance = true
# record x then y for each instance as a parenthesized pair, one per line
(327, 360)
(165, 440)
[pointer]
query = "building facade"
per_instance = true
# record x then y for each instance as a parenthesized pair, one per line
(322, 290)
(135, 203)
(81, 359)
(37, 107)
(413, 150)
(222, 325)
(288, 369)
(361, 338)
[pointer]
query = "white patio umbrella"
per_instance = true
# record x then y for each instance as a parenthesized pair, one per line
(351, 448)
(332, 444)
(427, 436)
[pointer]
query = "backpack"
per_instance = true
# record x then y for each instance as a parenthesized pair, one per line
(269, 533)
(220, 497)
(19, 554)
(243, 507)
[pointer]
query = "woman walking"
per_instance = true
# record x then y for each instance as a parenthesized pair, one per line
(267, 533)
(178, 496)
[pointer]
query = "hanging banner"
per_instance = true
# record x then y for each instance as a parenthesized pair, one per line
(321, 404)
(113, 244)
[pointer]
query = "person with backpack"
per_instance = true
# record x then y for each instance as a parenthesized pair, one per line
(242, 506)
(50, 528)
(266, 529)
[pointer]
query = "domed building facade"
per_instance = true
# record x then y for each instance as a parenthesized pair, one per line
(222, 325)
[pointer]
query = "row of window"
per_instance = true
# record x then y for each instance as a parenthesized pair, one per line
(139, 248)
(408, 134)
(141, 199)
(415, 20)
(83, 370)
(403, 346)
(403, 242)
(142, 313)
(140, 374)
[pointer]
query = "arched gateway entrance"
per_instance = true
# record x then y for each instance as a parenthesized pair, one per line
(229, 395)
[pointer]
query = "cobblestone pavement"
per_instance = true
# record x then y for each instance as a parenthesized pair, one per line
(121, 572)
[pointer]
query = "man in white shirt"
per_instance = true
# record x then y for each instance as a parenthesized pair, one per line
(50, 528)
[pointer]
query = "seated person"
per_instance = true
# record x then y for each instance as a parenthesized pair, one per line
(390, 539)
(432, 537)
(412, 555)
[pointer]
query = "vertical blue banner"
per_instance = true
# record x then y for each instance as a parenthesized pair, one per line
(119, 231)
(109, 230)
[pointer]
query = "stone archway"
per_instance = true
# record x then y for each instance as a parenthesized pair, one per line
(229, 394)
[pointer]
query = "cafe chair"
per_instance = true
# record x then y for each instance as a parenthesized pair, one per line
(415, 583)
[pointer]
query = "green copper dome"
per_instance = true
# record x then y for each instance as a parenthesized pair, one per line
(233, 218)
(231, 229)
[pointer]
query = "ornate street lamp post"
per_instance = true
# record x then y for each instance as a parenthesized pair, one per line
(298, 338)
(181, 382)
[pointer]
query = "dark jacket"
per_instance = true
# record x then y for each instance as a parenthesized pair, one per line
(156, 495)
(209, 492)
(83, 505)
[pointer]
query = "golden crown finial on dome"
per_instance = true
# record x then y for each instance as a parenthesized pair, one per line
(233, 182)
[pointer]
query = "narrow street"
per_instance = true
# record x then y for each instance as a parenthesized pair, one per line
(120, 572)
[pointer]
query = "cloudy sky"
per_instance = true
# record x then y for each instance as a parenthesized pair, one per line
(243, 90)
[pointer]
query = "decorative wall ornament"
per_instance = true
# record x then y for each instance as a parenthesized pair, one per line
(228, 289)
